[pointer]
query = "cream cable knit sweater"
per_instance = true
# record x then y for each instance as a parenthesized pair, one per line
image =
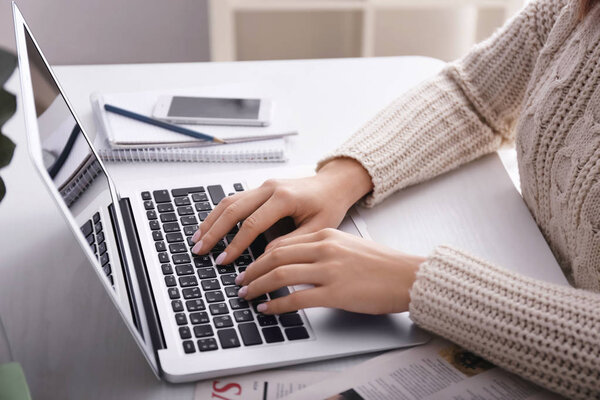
(537, 79)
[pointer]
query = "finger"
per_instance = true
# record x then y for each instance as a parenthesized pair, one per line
(259, 221)
(314, 297)
(215, 213)
(287, 275)
(309, 227)
(298, 254)
(312, 235)
(231, 212)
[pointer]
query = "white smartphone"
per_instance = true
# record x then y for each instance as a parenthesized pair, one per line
(213, 110)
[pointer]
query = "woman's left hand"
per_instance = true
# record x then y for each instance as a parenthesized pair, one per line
(347, 272)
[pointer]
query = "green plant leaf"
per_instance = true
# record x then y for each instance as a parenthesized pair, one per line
(8, 62)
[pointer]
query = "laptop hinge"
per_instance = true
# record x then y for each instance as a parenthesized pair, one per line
(139, 264)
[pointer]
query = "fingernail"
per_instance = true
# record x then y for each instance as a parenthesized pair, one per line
(243, 291)
(262, 307)
(196, 236)
(240, 278)
(197, 247)
(221, 257)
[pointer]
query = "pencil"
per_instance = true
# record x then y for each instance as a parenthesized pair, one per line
(161, 124)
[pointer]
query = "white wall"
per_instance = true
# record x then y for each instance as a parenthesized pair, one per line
(113, 31)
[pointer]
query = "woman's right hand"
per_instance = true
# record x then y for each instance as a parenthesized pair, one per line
(314, 203)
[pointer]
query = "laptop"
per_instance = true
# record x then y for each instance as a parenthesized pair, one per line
(181, 309)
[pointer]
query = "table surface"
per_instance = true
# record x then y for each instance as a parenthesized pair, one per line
(98, 359)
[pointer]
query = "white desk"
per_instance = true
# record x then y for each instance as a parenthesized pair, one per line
(98, 359)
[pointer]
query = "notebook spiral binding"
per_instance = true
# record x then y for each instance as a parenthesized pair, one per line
(174, 154)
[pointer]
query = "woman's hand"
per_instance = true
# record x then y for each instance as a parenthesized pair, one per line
(314, 203)
(348, 272)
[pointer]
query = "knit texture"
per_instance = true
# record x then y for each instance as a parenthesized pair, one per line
(536, 81)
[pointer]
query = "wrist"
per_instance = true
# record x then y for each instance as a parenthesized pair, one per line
(347, 180)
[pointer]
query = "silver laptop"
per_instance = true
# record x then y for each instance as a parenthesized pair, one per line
(182, 309)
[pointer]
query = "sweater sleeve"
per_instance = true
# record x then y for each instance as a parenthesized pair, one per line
(546, 333)
(466, 111)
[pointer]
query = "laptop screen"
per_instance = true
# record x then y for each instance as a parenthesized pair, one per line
(67, 156)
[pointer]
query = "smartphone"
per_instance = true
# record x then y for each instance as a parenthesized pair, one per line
(213, 110)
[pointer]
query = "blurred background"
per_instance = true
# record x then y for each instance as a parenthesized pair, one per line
(140, 31)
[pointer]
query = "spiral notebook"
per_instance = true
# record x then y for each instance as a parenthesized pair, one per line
(122, 139)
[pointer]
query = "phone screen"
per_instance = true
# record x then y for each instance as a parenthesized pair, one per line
(210, 107)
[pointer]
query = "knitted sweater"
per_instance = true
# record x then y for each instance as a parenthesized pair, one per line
(536, 80)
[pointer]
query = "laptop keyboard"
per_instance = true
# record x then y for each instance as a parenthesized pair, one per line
(92, 230)
(203, 295)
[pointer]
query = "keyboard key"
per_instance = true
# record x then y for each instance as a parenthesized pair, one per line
(160, 246)
(185, 269)
(165, 207)
(243, 261)
(296, 333)
(238, 303)
(228, 338)
(231, 291)
(216, 193)
(228, 279)
(207, 344)
(174, 237)
(181, 319)
(171, 227)
(262, 297)
(199, 318)
(177, 248)
(104, 259)
(226, 269)
(187, 281)
(238, 187)
(111, 280)
(154, 225)
(290, 319)
(106, 269)
(210, 284)
(185, 210)
(191, 293)
(202, 215)
(223, 321)
(101, 248)
(202, 261)
(266, 320)
(168, 217)
(219, 246)
(182, 201)
(214, 296)
(166, 269)
(249, 334)
(218, 308)
(255, 306)
(203, 331)
(188, 347)
(157, 235)
(146, 196)
(181, 258)
(272, 334)
(177, 305)
(284, 291)
(197, 197)
(189, 230)
(242, 315)
(195, 305)
(188, 190)
(190, 242)
(161, 196)
(203, 206)
(163, 257)
(184, 332)
(173, 293)
(206, 273)
(241, 269)
(170, 281)
(100, 237)
(189, 220)
(148, 205)
(151, 214)
(87, 228)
